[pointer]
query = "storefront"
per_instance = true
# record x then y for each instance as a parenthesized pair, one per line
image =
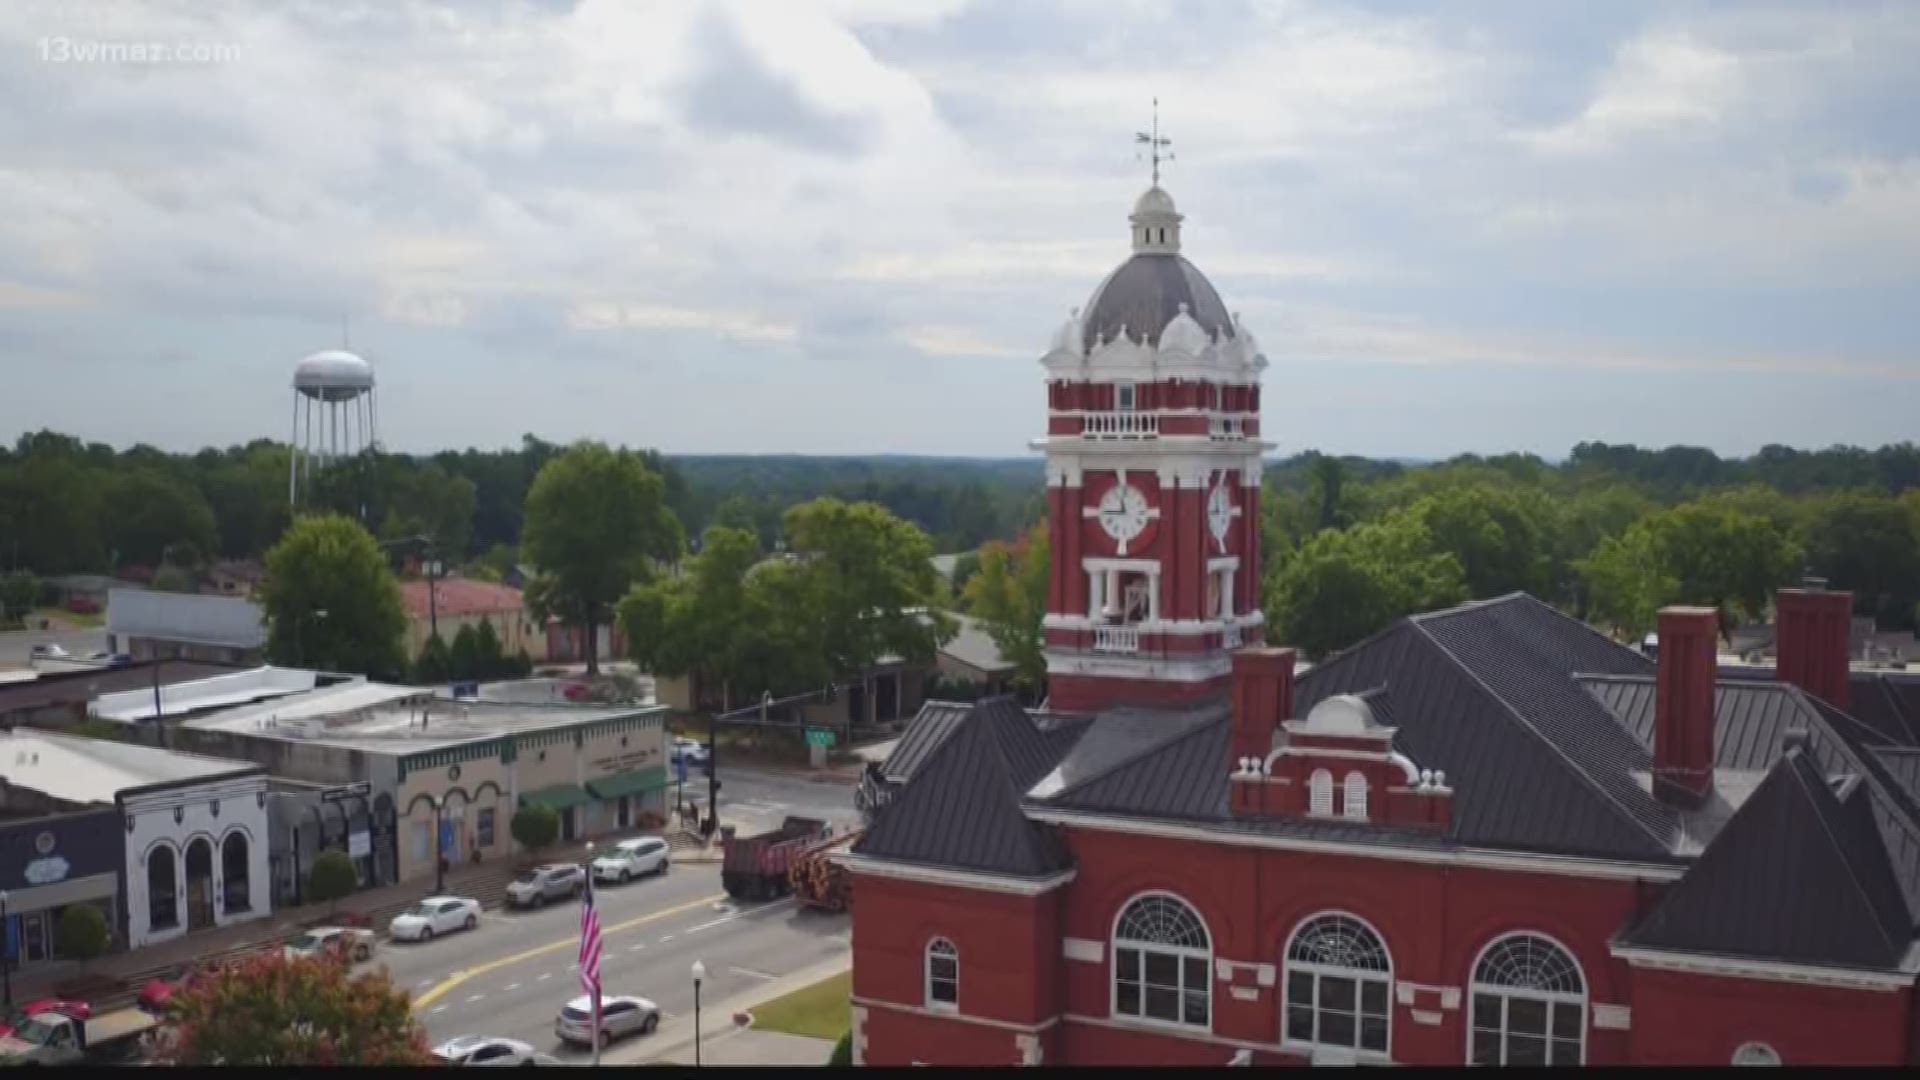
(49, 863)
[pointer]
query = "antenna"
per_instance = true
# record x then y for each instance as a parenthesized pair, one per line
(346, 332)
(1155, 144)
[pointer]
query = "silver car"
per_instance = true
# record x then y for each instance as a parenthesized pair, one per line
(620, 1016)
(556, 881)
(483, 1051)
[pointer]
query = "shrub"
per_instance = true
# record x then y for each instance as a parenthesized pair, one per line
(536, 826)
(83, 932)
(842, 1056)
(332, 877)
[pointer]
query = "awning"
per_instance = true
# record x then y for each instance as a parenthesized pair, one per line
(622, 785)
(559, 797)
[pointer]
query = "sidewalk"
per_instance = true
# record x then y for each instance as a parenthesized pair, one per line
(725, 1043)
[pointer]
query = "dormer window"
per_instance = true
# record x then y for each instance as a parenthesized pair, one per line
(1320, 793)
(1123, 397)
(1355, 807)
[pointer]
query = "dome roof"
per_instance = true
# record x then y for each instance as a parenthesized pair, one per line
(1154, 200)
(333, 371)
(1147, 292)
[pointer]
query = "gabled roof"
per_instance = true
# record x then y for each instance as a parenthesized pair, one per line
(925, 733)
(1174, 778)
(1798, 875)
(962, 809)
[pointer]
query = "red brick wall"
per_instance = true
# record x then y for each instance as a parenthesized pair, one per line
(1683, 1018)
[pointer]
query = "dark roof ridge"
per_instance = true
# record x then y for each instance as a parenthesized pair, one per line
(1513, 716)
(1135, 757)
(1828, 804)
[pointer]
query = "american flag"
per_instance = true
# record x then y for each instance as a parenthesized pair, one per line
(589, 943)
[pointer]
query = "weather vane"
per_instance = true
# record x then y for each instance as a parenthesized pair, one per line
(1154, 143)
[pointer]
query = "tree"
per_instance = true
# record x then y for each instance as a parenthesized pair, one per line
(1009, 597)
(1329, 479)
(842, 1056)
(328, 563)
(463, 659)
(487, 660)
(1866, 542)
(699, 622)
(332, 878)
(1724, 558)
(272, 1010)
(964, 568)
(872, 583)
(1342, 586)
(174, 580)
(435, 662)
(1627, 582)
(157, 518)
(592, 516)
(84, 934)
(19, 595)
(1503, 538)
(535, 826)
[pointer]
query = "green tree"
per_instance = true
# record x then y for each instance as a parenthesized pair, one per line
(1009, 597)
(463, 659)
(1342, 586)
(174, 580)
(1724, 558)
(157, 518)
(1627, 581)
(332, 878)
(593, 515)
(1866, 542)
(1329, 482)
(873, 584)
(19, 595)
(276, 1011)
(842, 1056)
(1503, 537)
(50, 515)
(488, 661)
(699, 622)
(535, 826)
(84, 934)
(328, 563)
(964, 568)
(435, 662)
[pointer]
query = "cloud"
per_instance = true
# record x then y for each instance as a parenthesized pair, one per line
(616, 315)
(1662, 82)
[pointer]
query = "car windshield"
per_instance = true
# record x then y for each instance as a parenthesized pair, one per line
(33, 1031)
(308, 942)
(424, 911)
(527, 877)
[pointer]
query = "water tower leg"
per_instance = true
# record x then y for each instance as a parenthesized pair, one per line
(293, 450)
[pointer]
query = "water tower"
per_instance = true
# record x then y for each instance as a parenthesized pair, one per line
(333, 392)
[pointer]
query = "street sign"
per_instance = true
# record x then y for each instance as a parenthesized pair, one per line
(359, 844)
(359, 789)
(821, 737)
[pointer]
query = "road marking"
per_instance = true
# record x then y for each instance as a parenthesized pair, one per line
(544, 976)
(447, 985)
(777, 905)
(750, 973)
(439, 1008)
(664, 938)
(635, 948)
(511, 987)
(423, 984)
(471, 998)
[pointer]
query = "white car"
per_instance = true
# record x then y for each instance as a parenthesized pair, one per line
(436, 915)
(620, 1016)
(485, 1050)
(630, 859)
(692, 749)
(354, 944)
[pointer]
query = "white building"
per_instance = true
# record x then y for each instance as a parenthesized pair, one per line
(196, 826)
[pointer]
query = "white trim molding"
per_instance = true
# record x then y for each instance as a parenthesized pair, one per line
(1083, 950)
(1768, 970)
(1029, 1047)
(1064, 661)
(1244, 993)
(965, 879)
(1406, 992)
(1104, 564)
(1562, 865)
(1224, 562)
(1426, 1017)
(861, 1003)
(859, 1039)
(1612, 1017)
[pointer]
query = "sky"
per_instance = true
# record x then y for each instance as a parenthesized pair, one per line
(853, 226)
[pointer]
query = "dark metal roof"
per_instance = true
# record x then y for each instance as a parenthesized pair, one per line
(962, 811)
(1887, 702)
(1750, 718)
(1903, 765)
(1123, 735)
(1799, 874)
(1028, 754)
(1177, 778)
(1143, 295)
(927, 730)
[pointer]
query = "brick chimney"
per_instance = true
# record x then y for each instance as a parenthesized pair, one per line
(1262, 698)
(1812, 628)
(1683, 705)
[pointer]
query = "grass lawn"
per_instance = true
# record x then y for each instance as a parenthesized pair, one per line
(821, 1010)
(61, 619)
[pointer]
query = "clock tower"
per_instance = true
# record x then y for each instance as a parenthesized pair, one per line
(1153, 482)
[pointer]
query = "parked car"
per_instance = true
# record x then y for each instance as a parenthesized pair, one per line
(354, 944)
(555, 881)
(435, 915)
(696, 752)
(634, 858)
(487, 1050)
(160, 990)
(79, 1010)
(49, 652)
(57, 1039)
(620, 1016)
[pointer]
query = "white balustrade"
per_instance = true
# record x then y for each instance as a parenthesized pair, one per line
(1230, 638)
(1119, 425)
(1227, 428)
(1116, 639)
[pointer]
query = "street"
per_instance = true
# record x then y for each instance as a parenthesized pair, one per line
(16, 647)
(756, 800)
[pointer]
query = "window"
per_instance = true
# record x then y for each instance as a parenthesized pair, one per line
(943, 975)
(485, 827)
(1756, 1053)
(1529, 1004)
(1320, 793)
(163, 909)
(1339, 983)
(236, 889)
(422, 841)
(1123, 397)
(1162, 959)
(1356, 803)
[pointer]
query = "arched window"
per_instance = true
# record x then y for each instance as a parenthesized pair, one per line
(1756, 1053)
(1162, 958)
(1529, 1004)
(236, 888)
(163, 902)
(1320, 793)
(1356, 803)
(943, 975)
(1339, 985)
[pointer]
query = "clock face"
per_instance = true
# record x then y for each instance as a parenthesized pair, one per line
(1123, 512)
(1220, 514)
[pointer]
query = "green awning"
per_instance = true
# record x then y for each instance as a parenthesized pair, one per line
(622, 785)
(559, 797)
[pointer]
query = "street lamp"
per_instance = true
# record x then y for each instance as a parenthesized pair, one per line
(439, 845)
(6, 949)
(699, 973)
